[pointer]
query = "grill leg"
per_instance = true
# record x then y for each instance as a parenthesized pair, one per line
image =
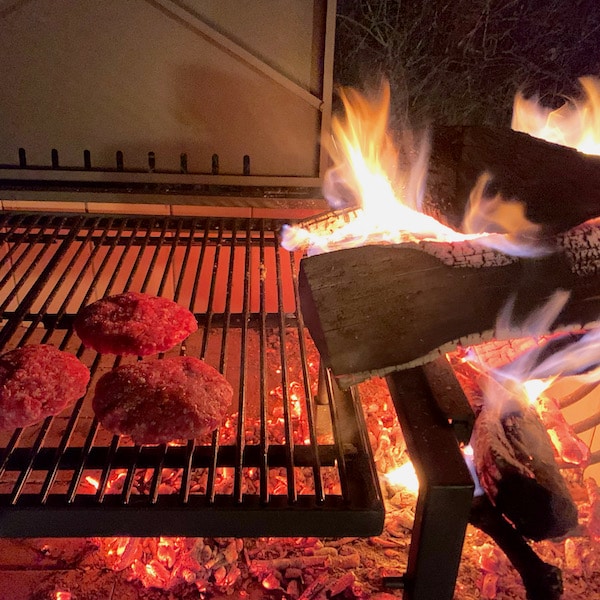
(445, 489)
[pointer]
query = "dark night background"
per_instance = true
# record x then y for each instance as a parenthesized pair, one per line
(461, 61)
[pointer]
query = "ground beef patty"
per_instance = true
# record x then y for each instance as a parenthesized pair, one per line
(156, 401)
(37, 381)
(134, 323)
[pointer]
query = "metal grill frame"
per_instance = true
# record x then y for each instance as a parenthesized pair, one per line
(358, 510)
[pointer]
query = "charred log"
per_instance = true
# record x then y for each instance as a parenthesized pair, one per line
(516, 466)
(560, 186)
(374, 309)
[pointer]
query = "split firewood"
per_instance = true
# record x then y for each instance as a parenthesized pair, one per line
(372, 310)
(569, 448)
(559, 186)
(515, 463)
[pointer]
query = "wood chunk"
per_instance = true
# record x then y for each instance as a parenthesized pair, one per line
(560, 186)
(374, 309)
(516, 467)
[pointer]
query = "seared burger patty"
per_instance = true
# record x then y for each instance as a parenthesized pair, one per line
(134, 323)
(156, 401)
(37, 381)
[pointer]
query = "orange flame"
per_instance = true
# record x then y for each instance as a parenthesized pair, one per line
(404, 477)
(575, 124)
(525, 379)
(386, 188)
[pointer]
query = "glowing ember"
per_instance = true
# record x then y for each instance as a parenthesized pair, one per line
(62, 596)
(575, 124)
(387, 187)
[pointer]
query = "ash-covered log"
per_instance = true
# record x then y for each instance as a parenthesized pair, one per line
(559, 185)
(374, 309)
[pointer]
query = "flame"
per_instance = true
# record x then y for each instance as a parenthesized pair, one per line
(404, 477)
(534, 388)
(385, 187)
(524, 379)
(61, 595)
(575, 124)
(467, 452)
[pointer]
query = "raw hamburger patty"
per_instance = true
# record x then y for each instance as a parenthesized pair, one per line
(156, 401)
(134, 323)
(37, 381)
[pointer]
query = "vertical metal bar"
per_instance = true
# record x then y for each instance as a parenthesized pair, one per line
(227, 320)
(173, 243)
(131, 469)
(212, 469)
(184, 262)
(285, 386)
(191, 445)
(445, 490)
(211, 293)
(103, 482)
(152, 266)
(22, 158)
(332, 389)
(264, 441)
(310, 415)
(240, 436)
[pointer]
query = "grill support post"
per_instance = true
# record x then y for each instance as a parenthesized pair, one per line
(445, 488)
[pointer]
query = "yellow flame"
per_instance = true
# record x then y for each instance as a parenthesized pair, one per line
(575, 124)
(404, 477)
(534, 388)
(384, 183)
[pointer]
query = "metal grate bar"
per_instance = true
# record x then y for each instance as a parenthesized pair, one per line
(264, 441)
(262, 472)
(240, 434)
(285, 385)
(308, 396)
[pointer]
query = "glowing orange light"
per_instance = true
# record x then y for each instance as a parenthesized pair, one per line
(404, 477)
(534, 388)
(62, 595)
(575, 124)
(387, 187)
(92, 481)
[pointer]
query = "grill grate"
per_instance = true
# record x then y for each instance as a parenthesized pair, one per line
(280, 465)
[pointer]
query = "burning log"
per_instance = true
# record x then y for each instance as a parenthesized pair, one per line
(374, 309)
(559, 185)
(515, 462)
